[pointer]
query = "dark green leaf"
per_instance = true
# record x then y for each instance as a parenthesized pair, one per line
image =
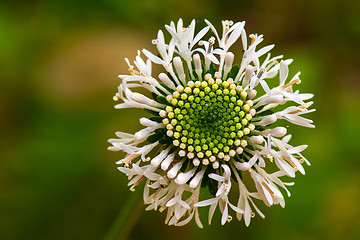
(166, 87)
(213, 186)
(165, 140)
(155, 137)
(160, 130)
(151, 112)
(162, 99)
(156, 119)
(234, 71)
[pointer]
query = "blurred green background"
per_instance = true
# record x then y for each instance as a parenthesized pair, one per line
(59, 62)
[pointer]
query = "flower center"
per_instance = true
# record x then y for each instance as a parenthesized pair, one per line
(208, 119)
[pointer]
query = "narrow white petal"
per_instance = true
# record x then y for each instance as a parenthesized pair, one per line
(216, 177)
(284, 71)
(206, 202)
(152, 57)
(225, 214)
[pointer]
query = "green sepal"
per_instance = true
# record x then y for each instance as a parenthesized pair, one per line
(205, 181)
(165, 140)
(151, 112)
(212, 69)
(161, 91)
(213, 186)
(203, 68)
(156, 119)
(156, 136)
(160, 130)
(166, 87)
(162, 99)
(234, 71)
(171, 78)
(233, 175)
(194, 72)
(265, 113)
(185, 165)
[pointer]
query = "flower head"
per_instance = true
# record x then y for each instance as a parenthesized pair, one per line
(209, 126)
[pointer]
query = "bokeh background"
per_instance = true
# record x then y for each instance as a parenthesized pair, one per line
(59, 62)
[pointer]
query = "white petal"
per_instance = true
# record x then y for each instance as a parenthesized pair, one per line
(297, 149)
(234, 35)
(236, 209)
(152, 57)
(225, 214)
(172, 202)
(286, 167)
(247, 213)
(211, 211)
(196, 180)
(206, 202)
(213, 58)
(201, 34)
(264, 50)
(216, 177)
(284, 71)
(184, 204)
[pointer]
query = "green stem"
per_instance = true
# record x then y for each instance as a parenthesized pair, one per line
(127, 217)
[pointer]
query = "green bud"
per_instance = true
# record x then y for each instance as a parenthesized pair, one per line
(246, 108)
(174, 101)
(244, 122)
(232, 92)
(243, 94)
(208, 153)
(200, 154)
(248, 117)
(190, 148)
(171, 115)
(215, 150)
(197, 148)
(246, 131)
(178, 128)
(173, 122)
(184, 96)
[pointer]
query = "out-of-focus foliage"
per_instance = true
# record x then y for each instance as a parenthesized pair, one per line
(59, 61)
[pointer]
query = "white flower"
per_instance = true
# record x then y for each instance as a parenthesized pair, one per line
(208, 125)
